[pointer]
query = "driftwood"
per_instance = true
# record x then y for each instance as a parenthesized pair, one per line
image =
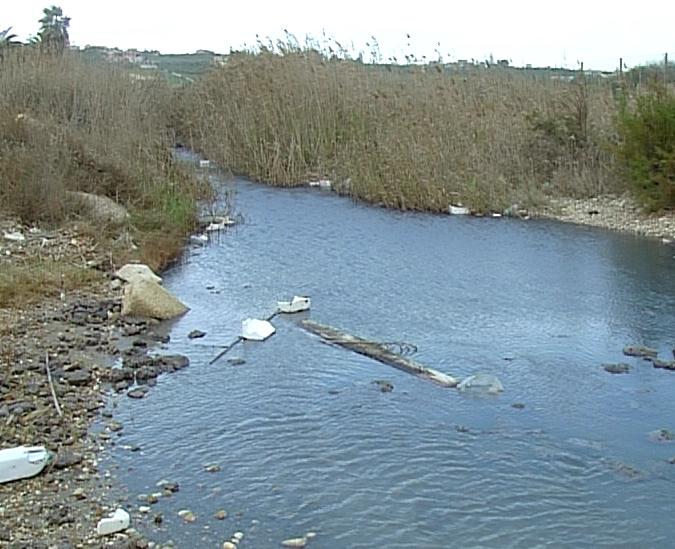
(51, 386)
(377, 351)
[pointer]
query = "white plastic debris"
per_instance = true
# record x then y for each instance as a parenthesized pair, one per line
(204, 163)
(15, 236)
(219, 224)
(482, 383)
(199, 239)
(458, 210)
(117, 522)
(23, 462)
(254, 329)
(321, 183)
(296, 305)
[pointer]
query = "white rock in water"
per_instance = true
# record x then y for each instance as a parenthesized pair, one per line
(485, 383)
(295, 542)
(144, 298)
(229, 545)
(132, 271)
(117, 522)
(238, 536)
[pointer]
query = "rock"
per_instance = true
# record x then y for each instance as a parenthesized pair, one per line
(78, 377)
(481, 383)
(195, 334)
(236, 361)
(115, 426)
(153, 498)
(672, 460)
(620, 368)
(518, 405)
(220, 514)
(212, 468)
(134, 271)
(148, 299)
(229, 545)
(98, 208)
(67, 458)
(639, 350)
(144, 509)
(168, 485)
(384, 385)
(295, 542)
(662, 435)
(187, 515)
(238, 536)
(138, 392)
(665, 364)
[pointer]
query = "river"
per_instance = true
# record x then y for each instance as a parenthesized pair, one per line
(306, 442)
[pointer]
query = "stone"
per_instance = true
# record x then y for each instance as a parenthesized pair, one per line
(236, 361)
(481, 383)
(138, 392)
(620, 368)
(67, 458)
(195, 334)
(238, 536)
(639, 351)
(187, 515)
(229, 545)
(134, 271)
(662, 435)
(98, 208)
(115, 426)
(78, 377)
(384, 385)
(220, 514)
(148, 299)
(518, 405)
(212, 468)
(664, 364)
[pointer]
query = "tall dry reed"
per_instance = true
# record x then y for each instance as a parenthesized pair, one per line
(411, 137)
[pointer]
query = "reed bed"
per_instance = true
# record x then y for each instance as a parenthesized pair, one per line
(410, 137)
(69, 125)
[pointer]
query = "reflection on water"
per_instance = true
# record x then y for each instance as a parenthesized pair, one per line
(306, 442)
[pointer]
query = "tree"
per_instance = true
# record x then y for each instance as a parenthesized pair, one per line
(53, 34)
(7, 39)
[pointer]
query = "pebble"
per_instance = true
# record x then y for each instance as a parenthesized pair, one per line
(187, 515)
(620, 368)
(238, 536)
(221, 514)
(195, 334)
(229, 545)
(144, 509)
(212, 468)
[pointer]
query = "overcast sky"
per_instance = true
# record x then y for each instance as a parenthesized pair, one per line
(539, 32)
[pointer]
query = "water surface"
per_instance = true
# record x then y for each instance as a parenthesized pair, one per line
(306, 442)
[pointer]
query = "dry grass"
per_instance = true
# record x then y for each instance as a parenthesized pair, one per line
(69, 125)
(27, 282)
(414, 137)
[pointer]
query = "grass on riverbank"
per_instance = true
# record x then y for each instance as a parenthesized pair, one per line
(412, 137)
(68, 125)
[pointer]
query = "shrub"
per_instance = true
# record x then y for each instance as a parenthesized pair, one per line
(647, 147)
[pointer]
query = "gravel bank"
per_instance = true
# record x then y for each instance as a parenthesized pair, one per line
(619, 213)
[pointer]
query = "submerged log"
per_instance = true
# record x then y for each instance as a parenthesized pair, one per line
(378, 352)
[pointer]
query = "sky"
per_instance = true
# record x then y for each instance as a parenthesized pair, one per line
(537, 32)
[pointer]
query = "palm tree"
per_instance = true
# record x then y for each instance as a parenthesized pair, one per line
(7, 39)
(53, 34)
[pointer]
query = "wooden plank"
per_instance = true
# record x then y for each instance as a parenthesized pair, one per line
(378, 352)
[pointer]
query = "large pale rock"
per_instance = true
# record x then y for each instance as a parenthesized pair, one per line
(99, 208)
(133, 271)
(145, 298)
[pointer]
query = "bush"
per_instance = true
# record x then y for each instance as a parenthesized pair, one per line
(647, 147)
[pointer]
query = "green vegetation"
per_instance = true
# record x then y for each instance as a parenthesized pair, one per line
(647, 147)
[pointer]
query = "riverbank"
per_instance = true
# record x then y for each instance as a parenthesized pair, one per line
(617, 213)
(92, 353)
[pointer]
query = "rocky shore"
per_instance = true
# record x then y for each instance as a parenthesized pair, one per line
(618, 213)
(92, 352)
